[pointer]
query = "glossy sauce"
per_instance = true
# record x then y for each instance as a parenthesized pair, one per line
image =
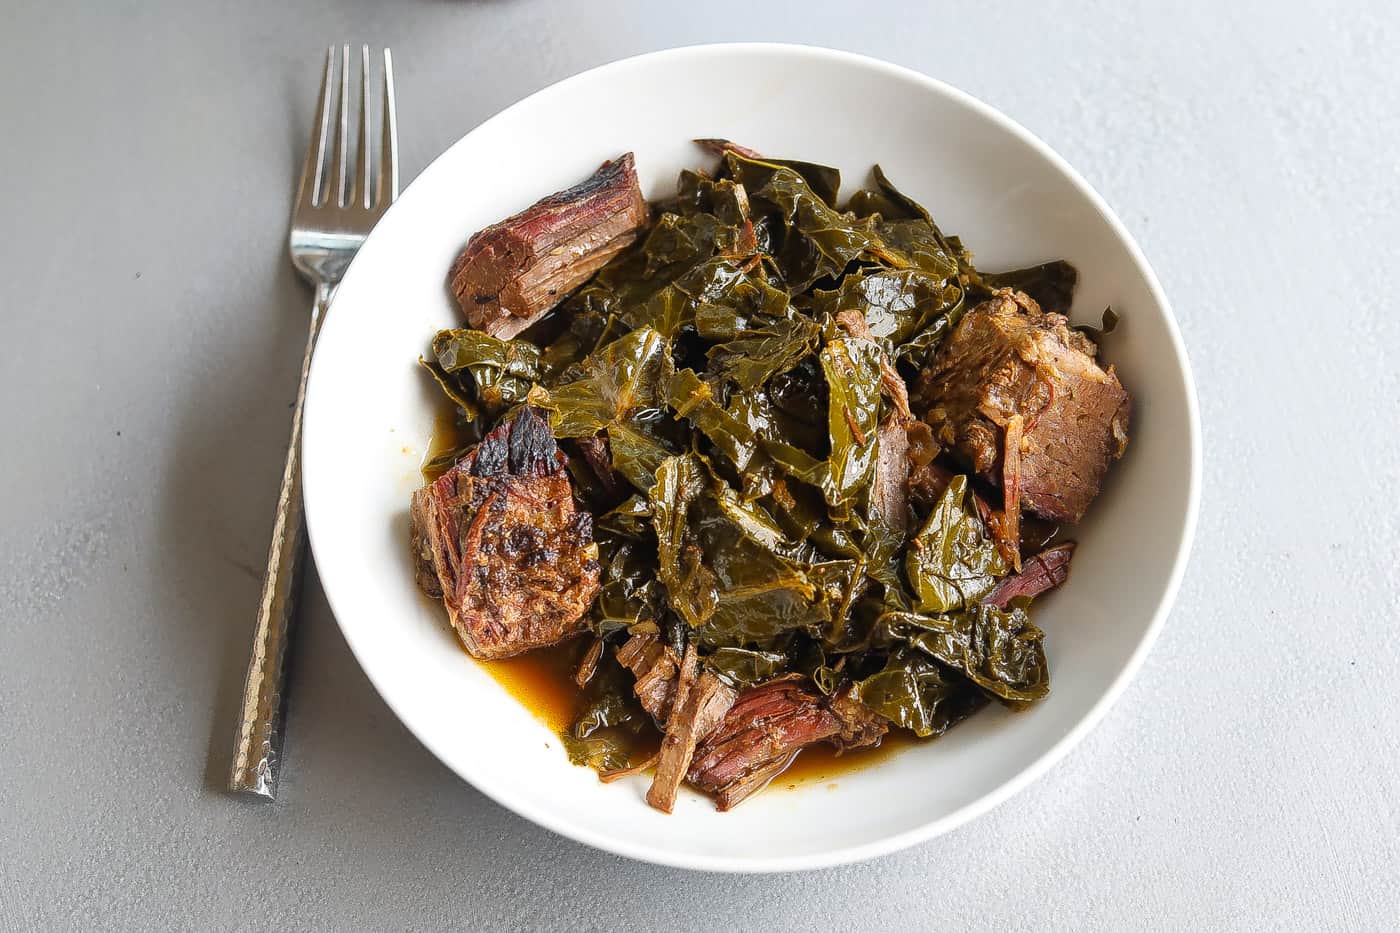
(448, 435)
(820, 763)
(543, 682)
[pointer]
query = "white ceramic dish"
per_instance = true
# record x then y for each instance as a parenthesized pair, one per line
(1012, 200)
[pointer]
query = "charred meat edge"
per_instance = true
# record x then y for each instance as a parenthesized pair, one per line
(498, 534)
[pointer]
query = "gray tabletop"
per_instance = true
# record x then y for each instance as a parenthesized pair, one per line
(152, 331)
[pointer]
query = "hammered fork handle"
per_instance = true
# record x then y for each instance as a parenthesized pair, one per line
(257, 756)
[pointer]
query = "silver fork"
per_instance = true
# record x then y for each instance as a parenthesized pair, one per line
(335, 207)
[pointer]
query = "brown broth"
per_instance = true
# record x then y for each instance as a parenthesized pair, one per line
(448, 435)
(543, 682)
(821, 763)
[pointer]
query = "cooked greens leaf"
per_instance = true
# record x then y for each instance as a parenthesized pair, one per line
(694, 400)
(998, 650)
(691, 586)
(608, 701)
(452, 388)
(952, 563)
(819, 241)
(918, 350)
(914, 692)
(678, 243)
(852, 370)
(896, 304)
(1108, 323)
(1051, 284)
(723, 576)
(618, 381)
(629, 593)
(637, 450)
(751, 358)
(501, 371)
(743, 667)
(604, 733)
(620, 390)
(630, 519)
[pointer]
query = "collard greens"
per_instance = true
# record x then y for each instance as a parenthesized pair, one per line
(725, 433)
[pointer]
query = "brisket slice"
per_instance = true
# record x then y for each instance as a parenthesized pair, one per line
(656, 667)
(889, 492)
(511, 273)
(767, 725)
(1041, 573)
(510, 557)
(1005, 358)
(701, 702)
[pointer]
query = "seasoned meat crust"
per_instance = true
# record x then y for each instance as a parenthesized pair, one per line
(511, 273)
(1008, 358)
(497, 537)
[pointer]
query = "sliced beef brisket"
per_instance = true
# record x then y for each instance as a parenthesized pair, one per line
(513, 272)
(498, 539)
(1008, 358)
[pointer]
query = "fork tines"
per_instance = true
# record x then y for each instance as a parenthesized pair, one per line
(336, 183)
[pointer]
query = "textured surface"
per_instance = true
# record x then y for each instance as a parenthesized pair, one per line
(1245, 780)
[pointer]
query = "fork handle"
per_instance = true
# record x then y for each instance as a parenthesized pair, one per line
(257, 755)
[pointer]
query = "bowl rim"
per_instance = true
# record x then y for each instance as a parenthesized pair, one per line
(991, 799)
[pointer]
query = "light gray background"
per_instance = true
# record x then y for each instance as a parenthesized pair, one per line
(151, 334)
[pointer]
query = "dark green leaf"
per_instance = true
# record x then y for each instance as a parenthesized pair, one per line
(818, 240)
(617, 382)
(896, 304)
(605, 734)
(608, 701)
(742, 667)
(1051, 284)
(918, 350)
(694, 400)
(501, 371)
(719, 281)
(998, 650)
(952, 563)
(637, 450)
(852, 370)
(629, 593)
(631, 519)
(1108, 323)
(724, 576)
(692, 587)
(914, 692)
(758, 354)
(460, 395)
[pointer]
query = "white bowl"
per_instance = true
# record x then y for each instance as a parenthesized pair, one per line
(1013, 201)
